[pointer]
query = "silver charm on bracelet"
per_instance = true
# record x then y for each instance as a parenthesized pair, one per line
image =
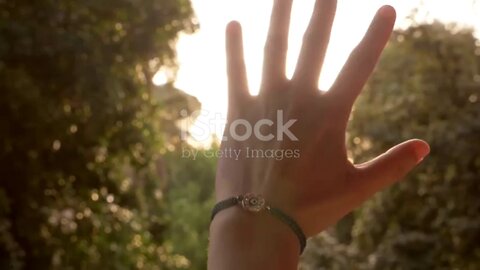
(252, 202)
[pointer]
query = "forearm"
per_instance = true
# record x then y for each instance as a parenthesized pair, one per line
(245, 240)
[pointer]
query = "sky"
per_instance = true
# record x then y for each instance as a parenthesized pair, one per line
(201, 56)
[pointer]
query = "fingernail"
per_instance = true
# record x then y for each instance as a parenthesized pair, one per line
(422, 150)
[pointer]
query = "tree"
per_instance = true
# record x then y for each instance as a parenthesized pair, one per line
(189, 201)
(426, 85)
(82, 131)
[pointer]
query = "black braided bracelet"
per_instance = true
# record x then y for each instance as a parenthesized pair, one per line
(255, 203)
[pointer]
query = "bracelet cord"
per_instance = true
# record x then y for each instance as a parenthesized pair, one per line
(277, 213)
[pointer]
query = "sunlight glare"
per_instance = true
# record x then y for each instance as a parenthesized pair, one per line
(201, 56)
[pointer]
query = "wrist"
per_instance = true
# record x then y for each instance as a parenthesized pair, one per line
(263, 241)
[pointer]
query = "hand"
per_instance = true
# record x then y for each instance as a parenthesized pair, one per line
(316, 184)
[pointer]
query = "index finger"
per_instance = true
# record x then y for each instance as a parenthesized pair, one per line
(362, 61)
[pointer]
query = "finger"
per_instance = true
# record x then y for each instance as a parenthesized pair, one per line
(236, 71)
(277, 44)
(387, 169)
(362, 60)
(315, 44)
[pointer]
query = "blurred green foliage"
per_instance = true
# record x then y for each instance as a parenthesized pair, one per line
(189, 200)
(81, 131)
(427, 85)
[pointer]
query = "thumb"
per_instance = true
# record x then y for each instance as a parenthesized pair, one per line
(388, 168)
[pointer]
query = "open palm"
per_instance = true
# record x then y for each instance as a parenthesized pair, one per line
(305, 170)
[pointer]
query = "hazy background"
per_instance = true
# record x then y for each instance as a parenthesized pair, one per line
(92, 174)
(352, 20)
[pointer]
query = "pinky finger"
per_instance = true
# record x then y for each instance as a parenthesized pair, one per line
(236, 71)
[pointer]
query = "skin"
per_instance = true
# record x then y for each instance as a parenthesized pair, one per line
(321, 185)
